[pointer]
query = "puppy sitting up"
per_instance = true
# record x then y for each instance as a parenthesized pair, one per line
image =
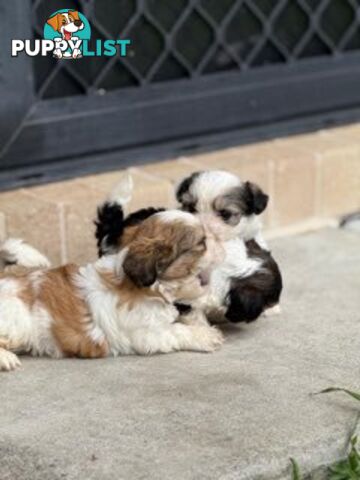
(248, 282)
(121, 304)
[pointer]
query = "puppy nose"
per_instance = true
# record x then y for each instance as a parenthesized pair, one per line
(204, 278)
(78, 23)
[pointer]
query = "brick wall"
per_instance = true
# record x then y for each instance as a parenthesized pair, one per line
(310, 178)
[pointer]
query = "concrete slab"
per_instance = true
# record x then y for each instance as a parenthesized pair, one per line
(237, 414)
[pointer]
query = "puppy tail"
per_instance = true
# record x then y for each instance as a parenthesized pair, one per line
(122, 192)
(15, 251)
(109, 222)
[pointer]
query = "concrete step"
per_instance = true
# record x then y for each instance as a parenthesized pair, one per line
(239, 413)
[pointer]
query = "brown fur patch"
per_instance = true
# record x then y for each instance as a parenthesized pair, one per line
(72, 321)
(163, 250)
(128, 235)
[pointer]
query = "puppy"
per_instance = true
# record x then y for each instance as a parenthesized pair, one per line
(67, 24)
(249, 281)
(121, 304)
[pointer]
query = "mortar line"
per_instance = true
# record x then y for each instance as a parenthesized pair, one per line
(62, 233)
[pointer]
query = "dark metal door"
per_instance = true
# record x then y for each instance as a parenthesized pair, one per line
(195, 68)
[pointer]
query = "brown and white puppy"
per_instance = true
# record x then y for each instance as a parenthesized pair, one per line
(121, 304)
(67, 24)
(249, 281)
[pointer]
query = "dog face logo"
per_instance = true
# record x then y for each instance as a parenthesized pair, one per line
(66, 24)
(68, 29)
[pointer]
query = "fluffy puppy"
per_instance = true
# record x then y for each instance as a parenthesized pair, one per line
(121, 304)
(249, 281)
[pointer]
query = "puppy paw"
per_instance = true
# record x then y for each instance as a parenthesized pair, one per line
(77, 53)
(57, 54)
(8, 361)
(272, 311)
(211, 339)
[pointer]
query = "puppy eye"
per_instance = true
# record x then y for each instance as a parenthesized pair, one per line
(64, 22)
(225, 214)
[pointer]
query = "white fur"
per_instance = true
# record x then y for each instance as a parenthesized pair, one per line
(16, 251)
(210, 185)
(173, 215)
(122, 192)
(8, 361)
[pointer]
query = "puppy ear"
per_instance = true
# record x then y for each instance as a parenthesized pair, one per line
(75, 14)
(54, 22)
(245, 304)
(256, 200)
(145, 261)
(182, 191)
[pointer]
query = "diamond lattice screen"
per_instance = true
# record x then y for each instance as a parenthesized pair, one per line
(177, 39)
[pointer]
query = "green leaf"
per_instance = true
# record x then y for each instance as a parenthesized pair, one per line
(295, 470)
(335, 389)
(339, 468)
(348, 469)
(338, 476)
(354, 457)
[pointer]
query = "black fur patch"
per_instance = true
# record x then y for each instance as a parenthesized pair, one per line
(140, 215)
(182, 192)
(254, 198)
(109, 227)
(110, 224)
(249, 297)
(182, 308)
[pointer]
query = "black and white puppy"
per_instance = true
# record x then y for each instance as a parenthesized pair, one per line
(248, 282)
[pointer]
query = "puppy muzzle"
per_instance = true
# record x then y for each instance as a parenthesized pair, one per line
(216, 227)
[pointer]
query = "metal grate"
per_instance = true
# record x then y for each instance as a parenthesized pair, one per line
(179, 39)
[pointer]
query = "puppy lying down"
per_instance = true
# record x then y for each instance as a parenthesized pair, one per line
(121, 304)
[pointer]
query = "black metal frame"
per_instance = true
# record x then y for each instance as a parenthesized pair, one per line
(99, 132)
